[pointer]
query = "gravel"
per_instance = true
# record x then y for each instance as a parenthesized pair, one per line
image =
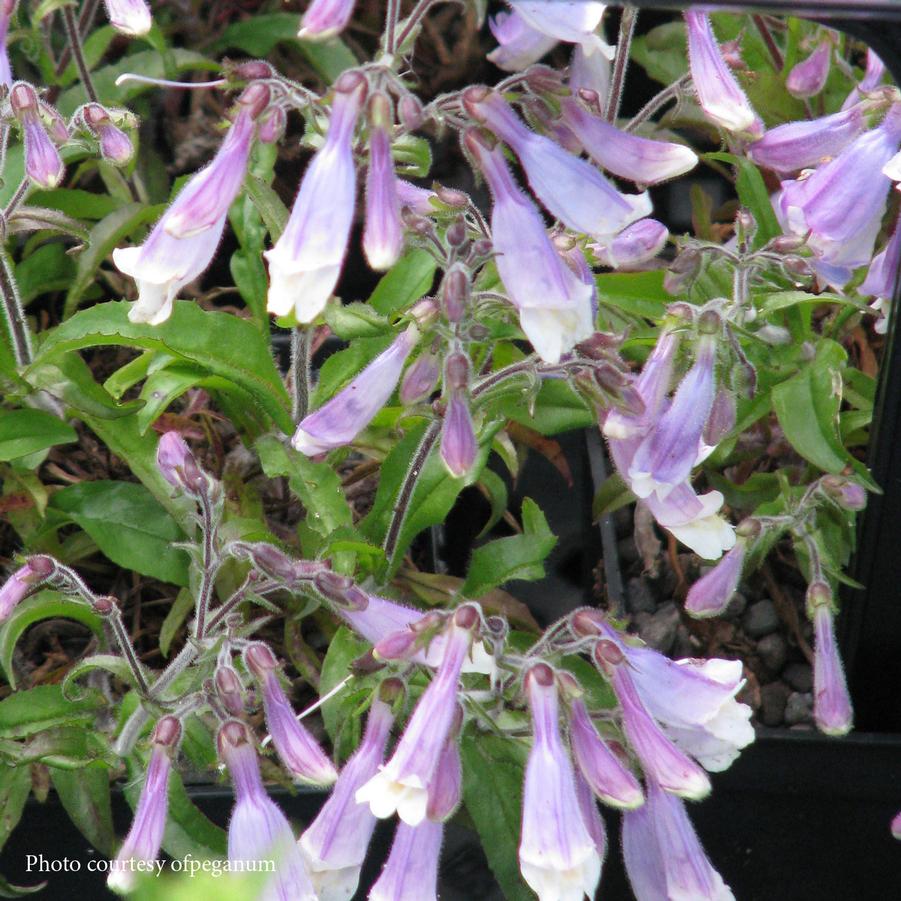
(760, 619)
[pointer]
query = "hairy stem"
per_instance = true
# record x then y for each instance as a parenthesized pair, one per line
(74, 35)
(768, 39)
(128, 652)
(659, 101)
(623, 47)
(301, 341)
(412, 22)
(392, 15)
(209, 567)
(16, 323)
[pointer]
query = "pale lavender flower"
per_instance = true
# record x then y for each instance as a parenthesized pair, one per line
(554, 304)
(7, 8)
(411, 871)
(808, 77)
(519, 45)
(446, 789)
(710, 595)
(591, 817)
(896, 826)
(558, 856)
(641, 160)
(177, 464)
(403, 783)
(569, 187)
(799, 145)
(43, 164)
(600, 767)
(831, 701)
(145, 838)
(590, 72)
(873, 73)
(459, 447)
(383, 236)
(882, 277)
(694, 520)
(306, 261)
(295, 746)
(325, 18)
(115, 145)
(574, 23)
(417, 199)
(633, 246)
(663, 856)
(420, 379)
(23, 581)
(334, 845)
(131, 17)
(184, 240)
(719, 94)
(339, 420)
(258, 830)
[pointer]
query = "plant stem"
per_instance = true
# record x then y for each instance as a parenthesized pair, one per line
(623, 47)
(412, 21)
(658, 102)
(392, 15)
(301, 340)
(74, 35)
(209, 567)
(17, 198)
(128, 652)
(85, 20)
(768, 39)
(14, 312)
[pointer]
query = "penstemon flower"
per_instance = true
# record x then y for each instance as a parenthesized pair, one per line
(519, 44)
(574, 23)
(633, 246)
(7, 8)
(831, 701)
(131, 17)
(808, 77)
(590, 72)
(458, 440)
(43, 164)
(306, 261)
(710, 595)
(411, 871)
(882, 278)
(32, 574)
(419, 379)
(325, 18)
(383, 235)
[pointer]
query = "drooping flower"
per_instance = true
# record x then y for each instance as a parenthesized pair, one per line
(663, 856)
(306, 261)
(590, 72)
(411, 871)
(896, 826)
(43, 164)
(325, 18)
(182, 243)
(519, 44)
(554, 304)
(558, 857)
(417, 199)
(721, 98)
(403, 783)
(710, 595)
(694, 520)
(574, 23)
(178, 466)
(419, 379)
(35, 571)
(296, 748)
(808, 77)
(258, 830)
(591, 817)
(334, 845)
(7, 8)
(383, 236)
(145, 838)
(115, 145)
(875, 69)
(634, 245)
(339, 420)
(831, 702)
(882, 278)
(570, 188)
(458, 438)
(446, 790)
(131, 17)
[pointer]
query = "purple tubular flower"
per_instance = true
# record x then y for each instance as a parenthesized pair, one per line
(663, 856)
(131, 17)
(23, 581)
(694, 520)
(600, 767)
(590, 72)
(554, 304)
(710, 595)
(831, 701)
(296, 748)
(574, 23)
(420, 379)
(591, 817)
(882, 277)
(7, 8)
(258, 830)
(520, 45)
(146, 834)
(570, 188)
(808, 77)
(417, 199)
(558, 856)
(306, 261)
(411, 871)
(633, 246)
(177, 464)
(799, 145)
(403, 784)
(446, 789)
(719, 94)
(325, 18)
(338, 421)
(184, 240)
(896, 826)
(383, 236)
(459, 447)
(43, 164)
(872, 77)
(334, 844)
(639, 159)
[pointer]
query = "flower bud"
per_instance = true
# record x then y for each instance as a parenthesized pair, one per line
(23, 581)
(409, 111)
(848, 494)
(455, 290)
(420, 379)
(230, 690)
(130, 17)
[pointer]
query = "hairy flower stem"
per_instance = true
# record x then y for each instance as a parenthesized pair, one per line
(85, 21)
(659, 101)
(761, 25)
(210, 565)
(392, 15)
(74, 35)
(412, 22)
(301, 341)
(16, 323)
(17, 198)
(623, 47)
(128, 651)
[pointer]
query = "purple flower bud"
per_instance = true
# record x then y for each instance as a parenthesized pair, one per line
(459, 447)
(639, 159)
(306, 261)
(131, 17)
(455, 291)
(178, 466)
(23, 581)
(296, 748)
(115, 145)
(338, 421)
(633, 246)
(43, 164)
(325, 18)
(558, 857)
(808, 77)
(844, 492)
(272, 125)
(145, 837)
(258, 830)
(445, 791)
(590, 72)
(7, 8)
(411, 871)
(554, 305)
(520, 45)
(722, 417)
(663, 856)
(184, 240)
(831, 701)
(603, 772)
(710, 595)
(383, 235)
(334, 845)
(229, 689)
(570, 188)
(403, 784)
(574, 23)
(414, 198)
(410, 112)
(719, 94)
(420, 379)
(799, 145)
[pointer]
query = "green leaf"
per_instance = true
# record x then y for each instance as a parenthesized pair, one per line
(178, 612)
(67, 747)
(754, 195)
(43, 707)
(161, 388)
(48, 269)
(85, 796)
(340, 713)
(495, 489)
(15, 786)
(43, 605)
(557, 408)
(128, 525)
(269, 205)
(220, 343)
(493, 772)
(662, 52)
(613, 494)
(8, 890)
(114, 664)
(409, 279)
(75, 202)
(517, 557)
(27, 431)
(355, 320)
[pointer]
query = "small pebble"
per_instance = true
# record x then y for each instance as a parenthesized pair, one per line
(659, 629)
(773, 698)
(760, 619)
(627, 552)
(799, 676)
(799, 708)
(772, 650)
(682, 646)
(735, 607)
(640, 596)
